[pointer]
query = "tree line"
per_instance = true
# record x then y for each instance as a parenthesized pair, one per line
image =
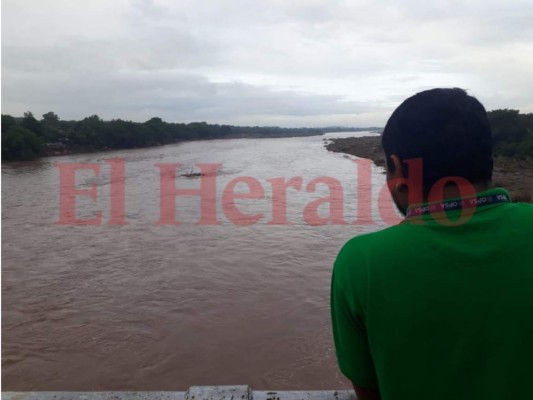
(512, 133)
(27, 137)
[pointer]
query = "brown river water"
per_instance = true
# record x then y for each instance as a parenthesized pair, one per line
(145, 306)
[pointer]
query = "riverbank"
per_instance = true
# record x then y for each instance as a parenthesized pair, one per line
(514, 175)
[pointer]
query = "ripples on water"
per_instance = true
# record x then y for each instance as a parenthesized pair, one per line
(151, 307)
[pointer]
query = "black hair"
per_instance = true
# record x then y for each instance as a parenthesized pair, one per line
(448, 130)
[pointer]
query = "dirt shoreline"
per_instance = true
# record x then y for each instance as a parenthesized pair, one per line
(514, 175)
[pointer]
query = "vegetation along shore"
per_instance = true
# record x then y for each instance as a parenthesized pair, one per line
(513, 150)
(27, 138)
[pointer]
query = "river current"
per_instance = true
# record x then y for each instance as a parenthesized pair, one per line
(150, 306)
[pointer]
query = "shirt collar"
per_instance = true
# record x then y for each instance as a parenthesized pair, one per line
(459, 205)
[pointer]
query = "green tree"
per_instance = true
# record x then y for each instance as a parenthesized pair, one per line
(512, 133)
(51, 128)
(89, 132)
(29, 122)
(7, 122)
(158, 130)
(19, 143)
(50, 119)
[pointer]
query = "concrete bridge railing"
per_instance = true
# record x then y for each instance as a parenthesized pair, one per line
(242, 392)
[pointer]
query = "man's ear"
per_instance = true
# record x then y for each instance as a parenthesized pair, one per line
(397, 173)
(397, 184)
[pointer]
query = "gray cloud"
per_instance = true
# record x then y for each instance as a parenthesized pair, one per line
(309, 62)
(172, 95)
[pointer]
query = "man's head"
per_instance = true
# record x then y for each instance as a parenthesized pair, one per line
(448, 131)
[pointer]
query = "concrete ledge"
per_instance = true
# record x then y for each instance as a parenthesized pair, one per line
(93, 395)
(306, 395)
(242, 392)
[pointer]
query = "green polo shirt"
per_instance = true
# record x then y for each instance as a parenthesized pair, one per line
(432, 309)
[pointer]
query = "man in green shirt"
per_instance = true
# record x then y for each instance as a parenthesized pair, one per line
(441, 305)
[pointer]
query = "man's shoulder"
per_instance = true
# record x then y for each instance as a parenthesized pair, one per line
(519, 215)
(379, 236)
(398, 240)
(360, 245)
(526, 208)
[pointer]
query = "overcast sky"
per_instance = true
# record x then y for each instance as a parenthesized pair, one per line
(258, 62)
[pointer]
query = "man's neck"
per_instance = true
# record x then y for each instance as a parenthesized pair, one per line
(454, 191)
